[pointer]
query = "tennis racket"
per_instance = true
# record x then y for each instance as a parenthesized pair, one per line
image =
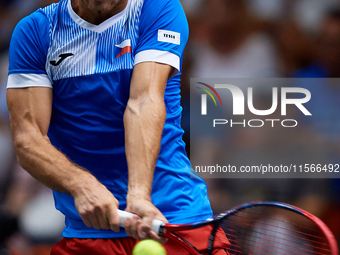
(259, 228)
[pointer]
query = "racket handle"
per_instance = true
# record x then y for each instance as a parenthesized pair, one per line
(123, 215)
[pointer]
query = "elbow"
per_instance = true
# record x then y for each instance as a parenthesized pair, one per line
(20, 146)
(146, 108)
(24, 144)
(153, 103)
(19, 143)
(28, 145)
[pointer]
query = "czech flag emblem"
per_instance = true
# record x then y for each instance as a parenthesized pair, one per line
(125, 47)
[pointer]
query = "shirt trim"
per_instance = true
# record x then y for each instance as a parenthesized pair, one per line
(159, 56)
(96, 28)
(21, 80)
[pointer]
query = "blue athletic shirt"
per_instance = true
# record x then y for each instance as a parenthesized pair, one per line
(89, 68)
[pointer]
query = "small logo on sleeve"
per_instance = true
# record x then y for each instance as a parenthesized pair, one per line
(169, 37)
(124, 47)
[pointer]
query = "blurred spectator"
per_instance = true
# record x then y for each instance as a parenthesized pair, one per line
(327, 47)
(326, 119)
(24, 227)
(228, 42)
(294, 47)
(325, 108)
(11, 12)
(192, 7)
(232, 46)
(267, 9)
(309, 13)
(21, 215)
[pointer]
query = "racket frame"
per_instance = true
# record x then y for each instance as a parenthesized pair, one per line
(167, 229)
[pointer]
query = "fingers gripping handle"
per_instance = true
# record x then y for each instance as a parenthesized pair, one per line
(123, 215)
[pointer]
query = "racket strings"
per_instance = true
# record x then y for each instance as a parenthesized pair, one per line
(320, 242)
(256, 215)
(273, 233)
(264, 239)
(288, 244)
(234, 240)
(270, 248)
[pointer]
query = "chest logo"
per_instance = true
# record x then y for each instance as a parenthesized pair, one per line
(62, 58)
(124, 47)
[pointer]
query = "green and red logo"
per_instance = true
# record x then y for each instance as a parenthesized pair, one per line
(204, 97)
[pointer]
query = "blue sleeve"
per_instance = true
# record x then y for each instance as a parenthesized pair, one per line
(163, 28)
(29, 45)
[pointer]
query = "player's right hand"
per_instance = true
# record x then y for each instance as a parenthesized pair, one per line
(140, 226)
(96, 205)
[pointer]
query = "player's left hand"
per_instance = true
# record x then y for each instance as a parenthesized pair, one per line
(140, 228)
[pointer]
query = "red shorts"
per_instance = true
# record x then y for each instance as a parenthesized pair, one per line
(124, 246)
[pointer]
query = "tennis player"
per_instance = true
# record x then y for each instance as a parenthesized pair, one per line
(94, 99)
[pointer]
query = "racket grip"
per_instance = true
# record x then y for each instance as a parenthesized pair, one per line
(123, 215)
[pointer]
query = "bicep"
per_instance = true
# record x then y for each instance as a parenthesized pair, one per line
(149, 79)
(30, 109)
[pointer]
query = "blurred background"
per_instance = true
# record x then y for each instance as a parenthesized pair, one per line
(228, 39)
(268, 39)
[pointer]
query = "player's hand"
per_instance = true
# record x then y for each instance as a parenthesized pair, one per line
(96, 205)
(140, 228)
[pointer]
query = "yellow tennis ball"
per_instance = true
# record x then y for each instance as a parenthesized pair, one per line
(148, 247)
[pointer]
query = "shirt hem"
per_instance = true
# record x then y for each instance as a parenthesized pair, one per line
(163, 57)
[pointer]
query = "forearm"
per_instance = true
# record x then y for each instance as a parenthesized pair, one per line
(30, 112)
(144, 121)
(48, 165)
